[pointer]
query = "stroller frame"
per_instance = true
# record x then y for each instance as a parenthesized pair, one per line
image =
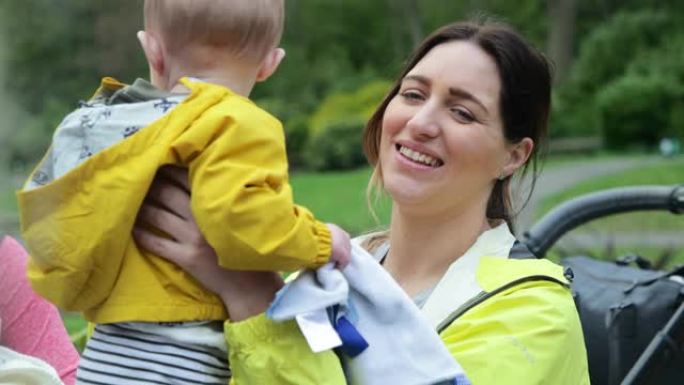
(585, 208)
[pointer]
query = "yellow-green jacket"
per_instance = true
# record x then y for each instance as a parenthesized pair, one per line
(78, 227)
(522, 329)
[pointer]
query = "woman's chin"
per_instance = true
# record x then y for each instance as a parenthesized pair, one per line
(407, 192)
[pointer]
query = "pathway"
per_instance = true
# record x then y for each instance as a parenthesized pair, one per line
(556, 179)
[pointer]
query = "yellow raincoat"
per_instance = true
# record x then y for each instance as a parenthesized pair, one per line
(523, 330)
(78, 227)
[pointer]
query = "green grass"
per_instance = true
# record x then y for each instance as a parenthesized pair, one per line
(76, 327)
(339, 197)
(663, 173)
(661, 258)
(666, 173)
(73, 322)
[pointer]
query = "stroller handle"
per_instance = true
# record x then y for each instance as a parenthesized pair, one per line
(585, 208)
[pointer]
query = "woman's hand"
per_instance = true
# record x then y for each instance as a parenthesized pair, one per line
(167, 208)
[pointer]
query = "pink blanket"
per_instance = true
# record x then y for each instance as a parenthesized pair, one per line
(31, 325)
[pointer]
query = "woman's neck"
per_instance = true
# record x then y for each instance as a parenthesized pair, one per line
(424, 246)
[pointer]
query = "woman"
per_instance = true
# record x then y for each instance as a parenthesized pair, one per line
(469, 110)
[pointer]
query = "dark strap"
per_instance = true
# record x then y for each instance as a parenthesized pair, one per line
(520, 251)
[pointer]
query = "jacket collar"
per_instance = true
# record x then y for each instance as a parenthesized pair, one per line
(459, 283)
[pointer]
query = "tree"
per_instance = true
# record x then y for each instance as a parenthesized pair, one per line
(562, 15)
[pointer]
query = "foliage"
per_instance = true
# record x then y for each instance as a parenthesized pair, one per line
(34, 137)
(627, 83)
(345, 106)
(336, 128)
(338, 146)
(297, 137)
(61, 50)
(572, 115)
(635, 109)
(608, 50)
(55, 52)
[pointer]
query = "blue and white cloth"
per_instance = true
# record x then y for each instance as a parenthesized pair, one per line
(386, 339)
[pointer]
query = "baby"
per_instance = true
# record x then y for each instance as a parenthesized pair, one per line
(79, 206)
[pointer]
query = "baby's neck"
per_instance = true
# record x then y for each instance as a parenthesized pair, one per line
(238, 78)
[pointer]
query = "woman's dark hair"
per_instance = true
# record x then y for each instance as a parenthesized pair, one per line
(525, 98)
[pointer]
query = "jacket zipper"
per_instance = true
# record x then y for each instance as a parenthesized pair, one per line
(483, 296)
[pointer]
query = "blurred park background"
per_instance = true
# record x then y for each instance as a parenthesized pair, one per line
(619, 91)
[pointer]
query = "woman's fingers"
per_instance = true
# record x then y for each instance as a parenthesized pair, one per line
(173, 198)
(177, 175)
(176, 227)
(159, 245)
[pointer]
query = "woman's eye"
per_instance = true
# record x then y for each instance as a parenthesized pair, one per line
(412, 95)
(463, 115)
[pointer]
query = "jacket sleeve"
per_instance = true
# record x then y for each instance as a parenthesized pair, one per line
(528, 336)
(266, 352)
(241, 197)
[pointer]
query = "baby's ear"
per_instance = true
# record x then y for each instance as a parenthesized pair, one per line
(153, 52)
(270, 63)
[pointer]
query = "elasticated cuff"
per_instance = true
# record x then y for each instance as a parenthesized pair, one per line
(324, 244)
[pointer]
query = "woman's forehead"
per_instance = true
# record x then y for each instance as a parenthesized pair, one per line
(461, 65)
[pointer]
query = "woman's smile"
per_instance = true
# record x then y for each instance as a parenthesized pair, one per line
(418, 157)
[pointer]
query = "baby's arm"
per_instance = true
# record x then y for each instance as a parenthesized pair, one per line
(241, 197)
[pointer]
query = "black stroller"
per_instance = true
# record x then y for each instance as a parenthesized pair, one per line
(632, 317)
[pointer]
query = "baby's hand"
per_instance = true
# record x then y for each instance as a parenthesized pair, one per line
(341, 246)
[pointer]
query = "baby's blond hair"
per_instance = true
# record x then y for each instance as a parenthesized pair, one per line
(248, 29)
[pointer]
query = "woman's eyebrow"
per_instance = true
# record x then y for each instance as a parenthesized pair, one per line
(453, 91)
(419, 78)
(463, 94)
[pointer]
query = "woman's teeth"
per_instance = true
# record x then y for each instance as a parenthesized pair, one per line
(419, 158)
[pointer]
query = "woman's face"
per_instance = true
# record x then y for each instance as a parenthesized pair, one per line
(442, 143)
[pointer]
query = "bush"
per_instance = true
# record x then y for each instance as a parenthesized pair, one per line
(607, 51)
(337, 146)
(667, 63)
(32, 134)
(626, 83)
(637, 110)
(296, 139)
(336, 128)
(346, 106)
(573, 116)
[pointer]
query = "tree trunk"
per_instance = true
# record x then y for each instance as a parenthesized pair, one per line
(562, 19)
(415, 21)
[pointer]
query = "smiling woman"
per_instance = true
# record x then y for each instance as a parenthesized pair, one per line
(468, 111)
(492, 113)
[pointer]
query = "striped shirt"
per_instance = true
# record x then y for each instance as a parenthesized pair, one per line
(128, 354)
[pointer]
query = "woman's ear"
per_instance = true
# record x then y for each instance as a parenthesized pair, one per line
(154, 54)
(518, 153)
(270, 63)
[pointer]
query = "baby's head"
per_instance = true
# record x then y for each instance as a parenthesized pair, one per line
(214, 39)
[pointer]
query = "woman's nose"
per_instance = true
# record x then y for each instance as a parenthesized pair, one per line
(423, 124)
